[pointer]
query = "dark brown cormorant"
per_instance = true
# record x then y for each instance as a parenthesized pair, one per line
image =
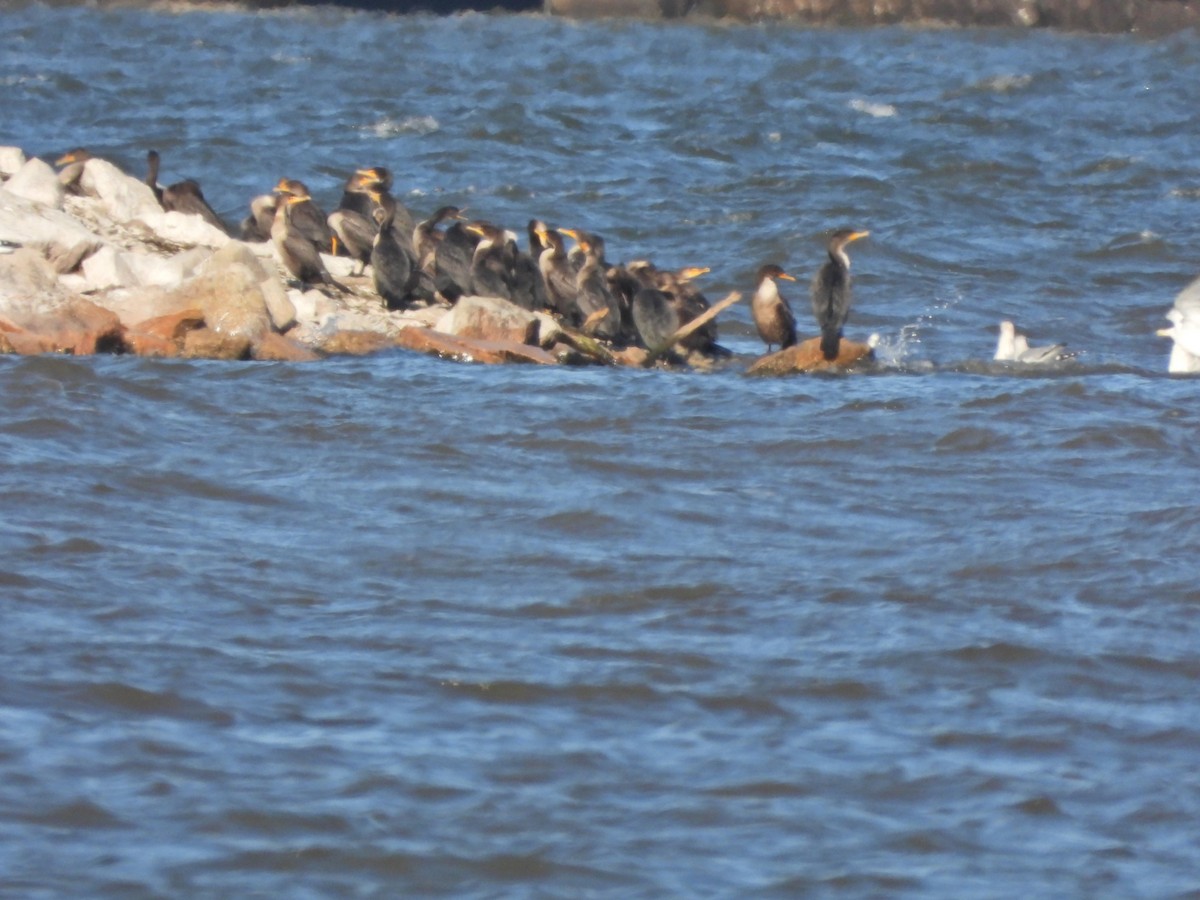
(257, 225)
(528, 285)
(306, 218)
(830, 291)
(452, 261)
(772, 316)
(491, 264)
(690, 303)
(557, 273)
(393, 265)
(183, 196)
(356, 194)
(655, 317)
(297, 252)
(597, 311)
(426, 236)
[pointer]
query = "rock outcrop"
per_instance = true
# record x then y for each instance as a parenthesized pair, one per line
(807, 357)
(103, 268)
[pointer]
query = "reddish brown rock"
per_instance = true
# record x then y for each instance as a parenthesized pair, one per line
(464, 349)
(807, 357)
(163, 335)
(153, 345)
(205, 343)
(356, 343)
(79, 327)
(280, 348)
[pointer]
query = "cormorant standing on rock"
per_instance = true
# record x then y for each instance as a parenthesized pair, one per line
(353, 223)
(426, 236)
(528, 285)
(491, 264)
(304, 216)
(654, 316)
(830, 291)
(597, 311)
(557, 273)
(772, 316)
(257, 226)
(392, 263)
(298, 253)
(182, 196)
(690, 303)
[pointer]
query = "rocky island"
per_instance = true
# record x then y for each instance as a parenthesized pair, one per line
(105, 268)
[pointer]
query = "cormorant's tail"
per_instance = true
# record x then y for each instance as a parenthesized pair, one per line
(789, 340)
(831, 341)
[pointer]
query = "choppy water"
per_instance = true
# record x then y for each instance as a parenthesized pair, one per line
(390, 626)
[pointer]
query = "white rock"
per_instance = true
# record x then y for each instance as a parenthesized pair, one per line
(24, 222)
(38, 182)
(124, 197)
(11, 159)
(182, 228)
(29, 286)
(166, 271)
(107, 268)
(339, 266)
(279, 307)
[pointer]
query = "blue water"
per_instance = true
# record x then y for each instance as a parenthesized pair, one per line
(393, 626)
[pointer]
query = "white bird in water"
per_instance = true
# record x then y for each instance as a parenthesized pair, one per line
(1184, 317)
(1014, 347)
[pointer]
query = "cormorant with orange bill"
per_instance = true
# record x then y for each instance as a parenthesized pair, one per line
(772, 315)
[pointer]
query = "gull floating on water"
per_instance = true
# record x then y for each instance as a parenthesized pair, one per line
(1013, 346)
(1184, 317)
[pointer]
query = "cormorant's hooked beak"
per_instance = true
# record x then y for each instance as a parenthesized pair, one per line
(694, 272)
(282, 187)
(67, 158)
(786, 277)
(856, 235)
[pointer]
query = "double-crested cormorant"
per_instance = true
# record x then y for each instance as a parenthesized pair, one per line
(597, 311)
(297, 251)
(528, 285)
(183, 196)
(830, 291)
(491, 264)
(452, 261)
(70, 166)
(305, 217)
(655, 316)
(772, 316)
(393, 266)
(257, 225)
(557, 273)
(691, 303)
(426, 237)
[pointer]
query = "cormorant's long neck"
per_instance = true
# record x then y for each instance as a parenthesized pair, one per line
(840, 259)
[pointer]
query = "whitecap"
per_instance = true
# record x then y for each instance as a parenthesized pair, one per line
(878, 110)
(389, 127)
